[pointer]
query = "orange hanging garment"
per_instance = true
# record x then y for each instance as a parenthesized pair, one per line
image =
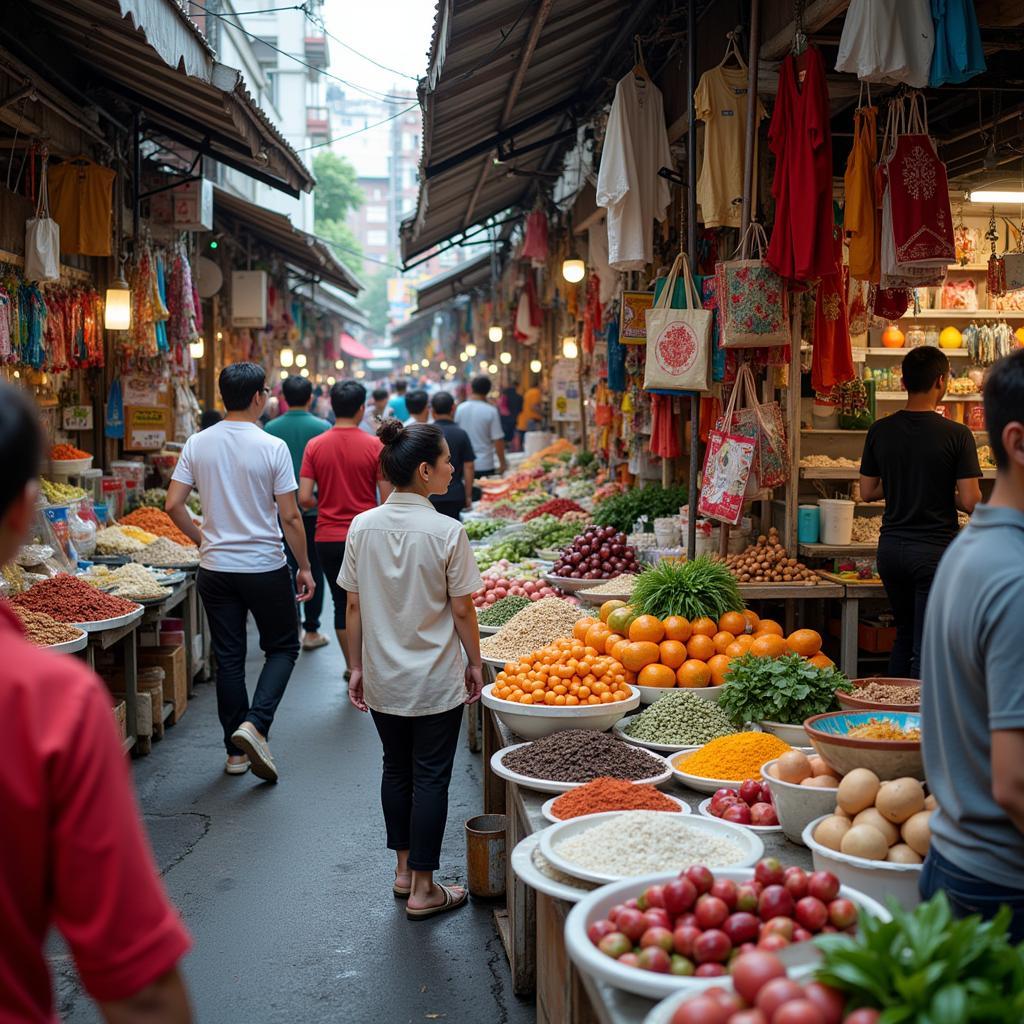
(862, 218)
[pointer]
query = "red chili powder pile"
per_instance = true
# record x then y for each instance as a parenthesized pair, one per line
(606, 794)
(67, 599)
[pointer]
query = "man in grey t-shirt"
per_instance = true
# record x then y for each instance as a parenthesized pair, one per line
(972, 689)
(481, 421)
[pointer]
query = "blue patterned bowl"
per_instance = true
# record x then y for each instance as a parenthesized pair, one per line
(888, 759)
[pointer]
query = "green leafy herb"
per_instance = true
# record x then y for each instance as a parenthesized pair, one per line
(926, 966)
(692, 589)
(477, 529)
(623, 510)
(787, 689)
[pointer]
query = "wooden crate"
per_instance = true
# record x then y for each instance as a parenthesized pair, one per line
(121, 718)
(172, 661)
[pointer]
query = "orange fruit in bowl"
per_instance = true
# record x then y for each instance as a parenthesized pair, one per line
(733, 622)
(701, 647)
(646, 627)
(804, 641)
(693, 674)
(722, 640)
(768, 645)
(639, 654)
(579, 631)
(656, 675)
(736, 649)
(677, 628)
(619, 619)
(705, 627)
(617, 648)
(719, 665)
(752, 620)
(768, 626)
(612, 640)
(608, 607)
(821, 660)
(673, 653)
(597, 636)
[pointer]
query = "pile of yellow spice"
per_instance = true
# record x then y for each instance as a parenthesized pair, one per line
(733, 758)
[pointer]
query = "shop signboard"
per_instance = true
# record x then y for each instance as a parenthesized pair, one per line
(147, 428)
(565, 390)
(633, 325)
(77, 417)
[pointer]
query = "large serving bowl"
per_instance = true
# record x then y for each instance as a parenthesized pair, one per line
(796, 805)
(569, 585)
(595, 906)
(851, 702)
(877, 878)
(649, 694)
(794, 735)
(888, 759)
(532, 721)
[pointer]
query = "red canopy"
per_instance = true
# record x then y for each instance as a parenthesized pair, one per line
(354, 348)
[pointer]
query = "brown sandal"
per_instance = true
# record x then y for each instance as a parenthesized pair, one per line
(452, 901)
(402, 894)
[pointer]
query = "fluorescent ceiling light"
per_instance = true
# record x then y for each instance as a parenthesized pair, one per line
(993, 195)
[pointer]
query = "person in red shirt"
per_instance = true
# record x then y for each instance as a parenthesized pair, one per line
(340, 477)
(74, 854)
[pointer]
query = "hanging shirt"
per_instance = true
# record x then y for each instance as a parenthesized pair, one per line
(888, 41)
(721, 103)
(958, 54)
(81, 203)
(597, 260)
(628, 185)
(862, 217)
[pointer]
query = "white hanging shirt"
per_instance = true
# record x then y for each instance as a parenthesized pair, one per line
(888, 41)
(628, 186)
(597, 259)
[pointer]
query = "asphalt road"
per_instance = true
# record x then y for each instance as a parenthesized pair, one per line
(286, 889)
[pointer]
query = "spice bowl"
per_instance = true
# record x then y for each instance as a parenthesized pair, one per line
(532, 721)
(548, 812)
(852, 702)
(649, 694)
(662, 748)
(796, 805)
(794, 735)
(888, 759)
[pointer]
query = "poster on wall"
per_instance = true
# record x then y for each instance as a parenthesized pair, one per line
(633, 325)
(147, 428)
(565, 392)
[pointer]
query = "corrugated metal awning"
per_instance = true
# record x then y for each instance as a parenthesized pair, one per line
(418, 327)
(454, 282)
(295, 247)
(127, 48)
(497, 78)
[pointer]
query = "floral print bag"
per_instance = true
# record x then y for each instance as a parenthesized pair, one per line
(753, 301)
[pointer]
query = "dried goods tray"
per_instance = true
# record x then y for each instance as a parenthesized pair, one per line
(150, 602)
(110, 559)
(526, 868)
(170, 578)
(619, 728)
(120, 620)
(598, 599)
(546, 808)
(70, 646)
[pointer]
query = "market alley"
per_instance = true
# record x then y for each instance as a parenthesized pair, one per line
(287, 889)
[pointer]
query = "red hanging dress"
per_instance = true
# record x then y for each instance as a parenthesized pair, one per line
(832, 358)
(800, 136)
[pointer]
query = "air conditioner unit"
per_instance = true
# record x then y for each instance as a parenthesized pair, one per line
(249, 298)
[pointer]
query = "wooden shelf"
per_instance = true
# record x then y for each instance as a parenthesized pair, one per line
(879, 350)
(901, 396)
(830, 431)
(964, 314)
(836, 550)
(977, 268)
(830, 472)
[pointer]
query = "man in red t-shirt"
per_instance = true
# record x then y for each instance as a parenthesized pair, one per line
(340, 477)
(73, 853)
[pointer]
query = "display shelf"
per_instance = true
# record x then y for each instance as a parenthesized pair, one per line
(835, 550)
(901, 396)
(977, 268)
(965, 314)
(881, 350)
(830, 472)
(830, 431)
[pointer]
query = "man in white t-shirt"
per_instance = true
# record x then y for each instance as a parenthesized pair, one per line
(481, 421)
(246, 482)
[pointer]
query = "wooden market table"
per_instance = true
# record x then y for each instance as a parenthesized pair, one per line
(849, 645)
(104, 640)
(532, 925)
(185, 593)
(795, 597)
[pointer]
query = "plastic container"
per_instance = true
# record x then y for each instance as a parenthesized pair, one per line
(826, 415)
(836, 520)
(667, 531)
(81, 530)
(809, 524)
(485, 855)
(797, 805)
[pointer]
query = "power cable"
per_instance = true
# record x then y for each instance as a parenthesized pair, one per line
(358, 131)
(322, 25)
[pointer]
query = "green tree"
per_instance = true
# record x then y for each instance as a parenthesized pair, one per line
(343, 243)
(373, 300)
(337, 191)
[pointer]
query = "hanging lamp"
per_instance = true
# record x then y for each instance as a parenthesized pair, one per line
(287, 357)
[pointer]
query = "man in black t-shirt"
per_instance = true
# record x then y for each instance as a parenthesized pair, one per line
(460, 491)
(926, 467)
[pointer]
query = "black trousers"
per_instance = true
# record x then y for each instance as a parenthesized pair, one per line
(418, 756)
(907, 568)
(228, 597)
(450, 508)
(309, 612)
(331, 554)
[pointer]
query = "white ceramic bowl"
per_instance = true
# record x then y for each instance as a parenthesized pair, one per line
(704, 807)
(69, 467)
(794, 735)
(532, 721)
(662, 748)
(598, 599)
(796, 805)
(595, 906)
(703, 785)
(876, 878)
(751, 846)
(649, 694)
(546, 808)
(569, 585)
(553, 786)
(524, 865)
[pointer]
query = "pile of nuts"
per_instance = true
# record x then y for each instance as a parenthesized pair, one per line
(827, 462)
(165, 552)
(112, 540)
(767, 561)
(43, 630)
(866, 529)
(130, 581)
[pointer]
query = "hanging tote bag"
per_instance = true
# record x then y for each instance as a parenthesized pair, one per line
(753, 300)
(678, 340)
(727, 465)
(765, 426)
(42, 238)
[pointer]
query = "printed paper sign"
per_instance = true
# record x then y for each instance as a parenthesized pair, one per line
(78, 417)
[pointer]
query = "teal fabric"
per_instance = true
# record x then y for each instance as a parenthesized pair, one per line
(958, 54)
(297, 428)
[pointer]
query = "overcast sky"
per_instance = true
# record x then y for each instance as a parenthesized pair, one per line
(395, 33)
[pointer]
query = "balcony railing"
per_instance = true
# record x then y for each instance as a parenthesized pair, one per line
(316, 51)
(318, 123)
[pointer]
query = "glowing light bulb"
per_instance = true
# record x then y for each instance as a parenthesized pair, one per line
(470, 350)
(284, 375)
(424, 363)
(300, 360)
(117, 310)
(505, 358)
(535, 365)
(569, 347)
(493, 368)
(495, 333)
(304, 372)
(339, 364)
(463, 357)
(573, 269)
(197, 349)
(287, 357)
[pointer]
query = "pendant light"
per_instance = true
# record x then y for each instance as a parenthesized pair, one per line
(339, 364)
(117, 307)
(505, 358)
(495, 333)
(492, 369)
(470, 351)
(570, 350)
(424, 363)
(197, 349)
(536, 366)
(287, 357)
(573, 268)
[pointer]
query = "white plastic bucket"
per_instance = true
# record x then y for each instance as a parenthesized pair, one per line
(536, 440)
(836, 520)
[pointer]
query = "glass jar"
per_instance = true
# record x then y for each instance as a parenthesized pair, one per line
(915, 337)
(931, 337)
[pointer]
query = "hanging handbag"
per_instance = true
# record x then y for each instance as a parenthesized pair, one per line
(678, 340)
(1013, 264)
(42, 238)
(753, 299)
(727, 465)
(765, 426)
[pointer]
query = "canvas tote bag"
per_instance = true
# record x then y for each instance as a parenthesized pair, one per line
(678, 340)
(727, 464)
(753, 300)
(42, 238)
(765, 426)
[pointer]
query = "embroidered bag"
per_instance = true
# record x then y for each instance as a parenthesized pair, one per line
(753, 299)
(727, 465)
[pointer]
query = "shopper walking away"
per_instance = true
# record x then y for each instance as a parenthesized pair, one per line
(510, 405)
(397, 404)
(340, 475)
(459, 495)
(532, 415)
(297, 427)
(410, 574)
(972, 701)
(481, 421)
(74, 854)
(247, 485)
(376, 410)
(418, 404)
(926, 467)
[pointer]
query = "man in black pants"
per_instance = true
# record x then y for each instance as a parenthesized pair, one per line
(926, 467)
(246, 481)
(460, 449)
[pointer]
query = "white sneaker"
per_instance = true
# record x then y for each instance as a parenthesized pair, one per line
(236, 767)
(260, 762)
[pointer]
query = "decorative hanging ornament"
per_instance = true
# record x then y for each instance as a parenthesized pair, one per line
(996, 267)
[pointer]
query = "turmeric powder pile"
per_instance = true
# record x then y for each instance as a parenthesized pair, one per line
(733, 758)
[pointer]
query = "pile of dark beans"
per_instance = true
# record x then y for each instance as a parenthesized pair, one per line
(579, 755)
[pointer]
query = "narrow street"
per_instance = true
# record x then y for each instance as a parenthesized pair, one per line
(287, 889)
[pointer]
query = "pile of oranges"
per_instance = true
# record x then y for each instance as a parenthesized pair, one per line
(566, 673)
(677, 652)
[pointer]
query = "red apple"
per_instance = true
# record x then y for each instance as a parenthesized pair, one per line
(726, 890)
(823, 885)
(763, 815)
(710, 911)
(752, 971)
(701, 877)
(772, 943)
(811, 913)
(796, 881)
(798, 1011)
(687, 918)
(738, 813)
(683, 939)
(750, 791)
(615, 944)
(702, 1010)
(679, 895)
(599, 929)
(661, 937)
(842, 913)
(769, 871)
(711, 946)
(657, 918)
(721, 794)
(746, 897)
(775, 901)
(654, 958)
(655, 896)
(741, 927)
(766, 793)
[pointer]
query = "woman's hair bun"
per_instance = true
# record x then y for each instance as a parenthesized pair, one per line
(390, 430)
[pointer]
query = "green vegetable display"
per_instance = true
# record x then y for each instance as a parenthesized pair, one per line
(623, 510)
(501, 611)
(515, 549)
(549, 532)
(680, 718)
(478, 529)
(787, 689)
(691, 589)
(925, 966)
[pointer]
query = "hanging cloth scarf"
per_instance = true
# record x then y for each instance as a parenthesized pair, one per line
(159, 298)
(664, 429)
(832, 359)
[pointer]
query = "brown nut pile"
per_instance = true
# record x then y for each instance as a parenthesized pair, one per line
(767, 561)
(43, 630)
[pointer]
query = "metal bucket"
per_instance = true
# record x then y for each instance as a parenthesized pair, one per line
(485, 855)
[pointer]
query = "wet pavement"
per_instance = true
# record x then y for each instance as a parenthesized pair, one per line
(287, 889)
